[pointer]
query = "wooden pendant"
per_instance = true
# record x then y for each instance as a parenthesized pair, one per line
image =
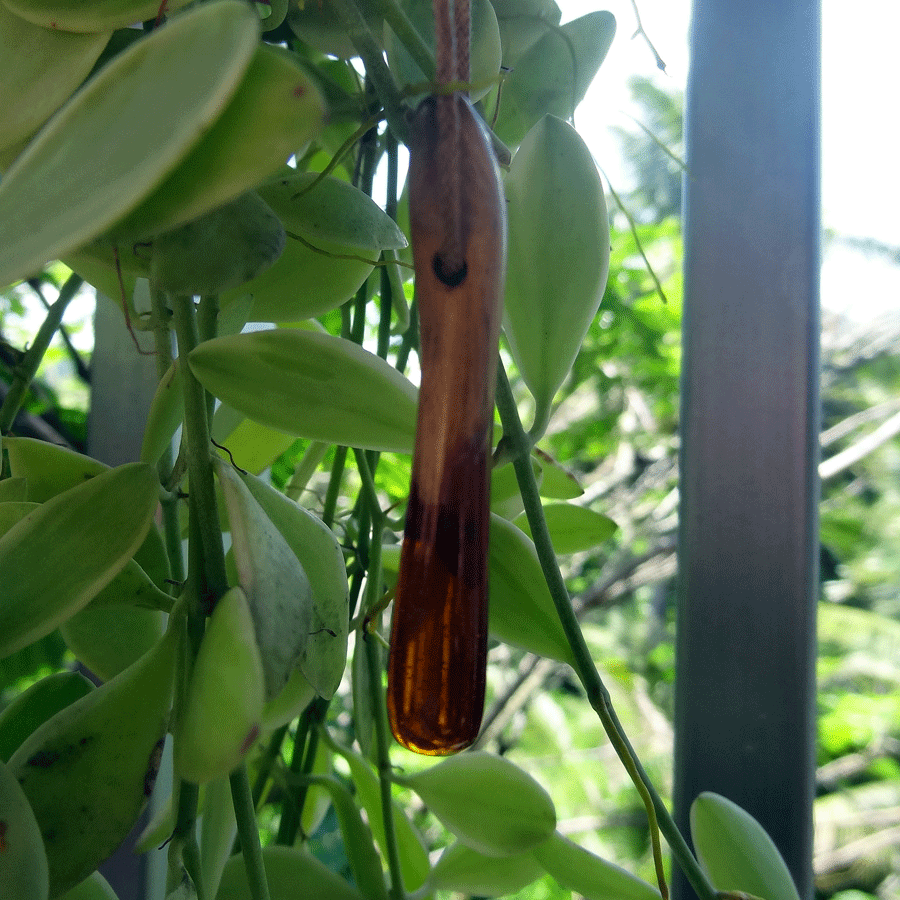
(438, 659)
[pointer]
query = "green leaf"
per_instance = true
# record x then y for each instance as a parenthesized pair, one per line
(521, 610)
(220, 250)
(331, 212)
(315, 546)
(358, 844)
(165, 415)
(311, 385)
(276, 586)
(41, 68)
(506, 500)
(553, 75)
(122, 134)
(70, 548)
(292, 874)
(48, 470)
(98, 15)
(557, 482)
(43, 700)
(736, 852)
(318, 25)
(553, 179)
(13, 511)
(94, 887)
(23, 861)
(414, 864)
(252, 446)
(108, 639)
(218, 828)
(594, 878)
(13, 489)
(573, 529)
(462, 869)
(275, 112)
(489, 803)
(304, 282)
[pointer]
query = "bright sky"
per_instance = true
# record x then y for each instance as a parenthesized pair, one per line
(859, 143)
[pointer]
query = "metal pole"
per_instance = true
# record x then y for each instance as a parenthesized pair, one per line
(744, 709)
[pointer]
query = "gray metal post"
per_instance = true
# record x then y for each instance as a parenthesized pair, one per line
(744, 711)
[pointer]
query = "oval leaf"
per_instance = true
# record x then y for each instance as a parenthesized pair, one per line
(319, 553)
(45, 698)
(292, 874)
(275, 112)
(736, 852)
(108, 639)
(48, 470)
(78, 176)
(23, 859)
(332, 211)
(462, 869)
(311, 385)
(521, 610)
(304, 282)
(553, 75)
(489, 803)
(41, 68)
(553, 179)
(574, 529)
(580, 871)
(276, 586)
(98, 15)
(69, 549)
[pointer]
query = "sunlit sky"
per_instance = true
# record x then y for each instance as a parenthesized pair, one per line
(859, 144)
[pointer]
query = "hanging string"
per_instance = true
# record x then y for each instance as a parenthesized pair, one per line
(452, 20)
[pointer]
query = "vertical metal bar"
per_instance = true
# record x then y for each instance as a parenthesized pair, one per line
(744, 709)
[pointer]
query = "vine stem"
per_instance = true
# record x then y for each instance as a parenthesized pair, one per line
(598, 696)
(376, 68)
(403, 27)
(24, 372)
(162, 340)
(200, 472)
(245, 816)
(373, 660)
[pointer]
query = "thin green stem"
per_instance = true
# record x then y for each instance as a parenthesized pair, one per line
(306, 744)
(376, 68)
(162, 340)
(24, 372)
(410, 339)
(267, 763)
(303, 471)
(541, 421)
(382, 740)
(587, 672)
(245, 816)
(184, 854)
(403, 27)
(334, 486)
(371, 506)
(200, 471)
(183, 851)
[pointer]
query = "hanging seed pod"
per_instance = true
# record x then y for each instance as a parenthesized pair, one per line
(438, 661)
